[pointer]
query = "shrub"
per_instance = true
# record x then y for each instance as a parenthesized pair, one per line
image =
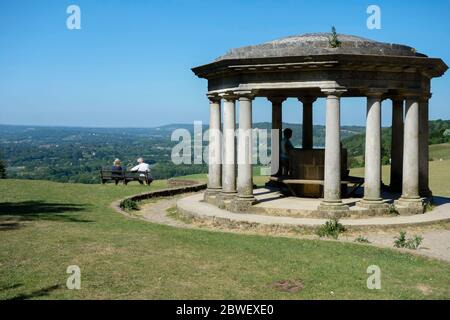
(362, 239)
(412, 243)
(332, 228)
(129, 205)
(429, 206)
(392, 210)
(333, 39)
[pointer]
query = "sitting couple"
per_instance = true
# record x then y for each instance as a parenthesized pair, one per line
(141, 167)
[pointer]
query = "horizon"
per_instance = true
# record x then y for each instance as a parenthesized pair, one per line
(126, 59)
(172, 124)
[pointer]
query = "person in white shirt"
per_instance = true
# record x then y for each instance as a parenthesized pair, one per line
(144, 168)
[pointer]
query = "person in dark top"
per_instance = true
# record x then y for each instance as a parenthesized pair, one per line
(116, 170)
(286, 147)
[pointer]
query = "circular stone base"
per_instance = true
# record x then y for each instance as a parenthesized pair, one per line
(195, 208)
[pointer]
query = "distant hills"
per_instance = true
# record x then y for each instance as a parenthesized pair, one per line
(74, 154)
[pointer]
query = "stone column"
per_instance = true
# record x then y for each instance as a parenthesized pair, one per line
(372, 169)
(245, 196)
(229, 147)
(424, 189)
(307, 126)
(332, 184)
(397, 144)
(215, 148)
(410, 187)
(276, 133)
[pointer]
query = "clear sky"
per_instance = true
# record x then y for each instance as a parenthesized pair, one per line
(129, 65)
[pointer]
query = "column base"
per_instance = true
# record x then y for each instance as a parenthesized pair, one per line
(224, 199)
(374, 206)
(409, 206)
(242, 203)
(211, 195)
(333, 208)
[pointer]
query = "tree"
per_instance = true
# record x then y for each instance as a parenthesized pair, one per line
(2, 170)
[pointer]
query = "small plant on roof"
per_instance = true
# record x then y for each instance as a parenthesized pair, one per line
(333, 39)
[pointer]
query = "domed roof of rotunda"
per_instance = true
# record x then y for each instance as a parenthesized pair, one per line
(319, 44)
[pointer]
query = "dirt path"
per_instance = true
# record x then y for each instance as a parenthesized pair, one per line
(436, 243)
(156, 212)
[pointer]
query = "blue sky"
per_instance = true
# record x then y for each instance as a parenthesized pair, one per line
(129, 65)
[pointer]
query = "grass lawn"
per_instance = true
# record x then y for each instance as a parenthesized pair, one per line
(439, 176)
(47, 226)
(440, 151)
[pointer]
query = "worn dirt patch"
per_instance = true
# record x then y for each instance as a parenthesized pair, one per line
(426, 290)
(291, 286)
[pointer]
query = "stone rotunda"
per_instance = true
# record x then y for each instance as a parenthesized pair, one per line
(308, 67)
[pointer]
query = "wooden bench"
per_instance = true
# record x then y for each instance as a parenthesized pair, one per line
(356, 182)
(125, 176)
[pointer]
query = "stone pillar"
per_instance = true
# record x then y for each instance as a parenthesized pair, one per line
(397, 145)
(245, 196)
(276, 133)
(229, 147)
(215, 148)
(332, 184)
(410, 187)
(424, 189)
(307, 126)
(372, 169)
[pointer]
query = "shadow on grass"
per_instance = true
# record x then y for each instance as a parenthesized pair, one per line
(11, 286)
(36, 294)
(11, 213)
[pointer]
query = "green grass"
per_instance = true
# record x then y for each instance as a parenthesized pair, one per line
(440, 151)
(47, 226)
(439, 176)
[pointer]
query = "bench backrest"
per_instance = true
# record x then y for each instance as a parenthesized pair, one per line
(135, 175)
(108, 173)
(114, 174)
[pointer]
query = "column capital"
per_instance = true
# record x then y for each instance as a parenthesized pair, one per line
(425, 97)
(276, 99)
(411, 94)
(244, 94)
(375, 92)
(397, 97)
(307, 99)
(337, 92)
(228, 96)
(213, 97)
